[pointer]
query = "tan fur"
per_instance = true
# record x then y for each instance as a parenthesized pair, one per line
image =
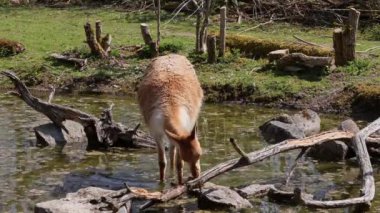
(170, 82)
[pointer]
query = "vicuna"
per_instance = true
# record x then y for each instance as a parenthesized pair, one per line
(170, 99)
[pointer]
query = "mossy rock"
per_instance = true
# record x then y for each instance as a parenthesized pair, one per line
(8, 47)
(367, 97)
(254, 47)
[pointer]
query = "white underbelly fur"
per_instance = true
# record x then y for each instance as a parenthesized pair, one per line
(157, 120)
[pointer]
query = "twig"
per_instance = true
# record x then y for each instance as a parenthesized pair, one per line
(52, 92)
(175, 15)
(369, 50)
(307, 42)
(290, 173)
(238, 149)
(259, 25)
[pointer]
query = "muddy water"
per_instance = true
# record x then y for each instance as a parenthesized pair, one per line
(29, 174)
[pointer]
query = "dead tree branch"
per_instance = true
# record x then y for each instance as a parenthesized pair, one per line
(101, 132)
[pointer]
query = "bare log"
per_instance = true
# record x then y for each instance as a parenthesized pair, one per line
(100, 133)
(302, 60)
(222, 33)
(211, 49)
(78, 62)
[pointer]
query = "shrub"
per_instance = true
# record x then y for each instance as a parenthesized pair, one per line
(358, 66)
(372, 33)
(8, 47)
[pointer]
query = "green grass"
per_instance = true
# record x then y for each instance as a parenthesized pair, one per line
(45, 30)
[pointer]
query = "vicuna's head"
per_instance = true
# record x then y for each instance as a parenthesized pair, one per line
(189, 149)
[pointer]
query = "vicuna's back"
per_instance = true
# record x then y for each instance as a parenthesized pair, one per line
(170, 82)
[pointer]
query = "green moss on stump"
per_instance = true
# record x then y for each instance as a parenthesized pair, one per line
(8, 47)
(254, 47)
(367, 97)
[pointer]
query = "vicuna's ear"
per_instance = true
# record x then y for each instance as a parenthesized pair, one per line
(173, 135)
(193, 132)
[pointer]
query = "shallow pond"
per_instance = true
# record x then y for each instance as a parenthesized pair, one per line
(29, 174)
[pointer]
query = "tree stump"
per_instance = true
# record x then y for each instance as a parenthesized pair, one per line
(148, 39)
(99, 46)
(345, 41)
(211, 49)
(338, 47)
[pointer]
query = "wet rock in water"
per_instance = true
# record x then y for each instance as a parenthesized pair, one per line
(51, 135)
(336, 150)
(299, 125)
(80, 201)
(329, 151)
(349, 125)
(222, 198)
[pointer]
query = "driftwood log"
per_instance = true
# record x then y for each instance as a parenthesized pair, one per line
(78, 62)
(363, 158)
(121, 200)
(101, 132)
(303, 61)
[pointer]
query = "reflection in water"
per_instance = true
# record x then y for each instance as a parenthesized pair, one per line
(29, 174)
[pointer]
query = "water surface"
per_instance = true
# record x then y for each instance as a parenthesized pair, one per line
(29, 174)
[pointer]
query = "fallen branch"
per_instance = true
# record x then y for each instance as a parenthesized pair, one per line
(100, 133)
(368, 185)
(251, 158)
(78, 62)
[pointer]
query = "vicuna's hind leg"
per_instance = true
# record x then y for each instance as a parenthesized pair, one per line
(179, 165)
(172, 152)
(161, 159)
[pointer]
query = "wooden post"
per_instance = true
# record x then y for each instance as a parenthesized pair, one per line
(198, 39)
(211, 49)
(98, 31)
(222, 42)
(148, 39)
(350, 34)
(338, 47)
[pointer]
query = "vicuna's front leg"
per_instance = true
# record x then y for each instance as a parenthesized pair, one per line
(179, 166)
(161, 160)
